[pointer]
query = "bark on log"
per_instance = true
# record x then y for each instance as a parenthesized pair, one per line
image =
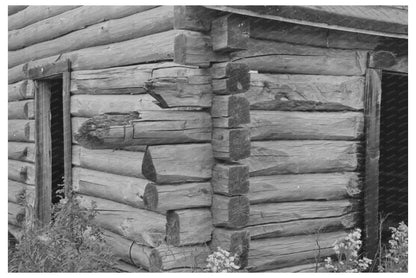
(288, 251)
(21, 171)
(21, 151)
(230, 78)
(16, 214)
(230, 212)
(12, 9)
(167, 257)
(230, 111)
(165, 164)
(287, 188)
(130, 27)
(64, 23)
(305, 92)
(118, 162)
(237, 242)
(145, 128)
(306, 226)
(21, 90)
(34, 14)
(188, 226)
(290, 211)
(289, 125)
(230, 179)
(22, 130)
(231, 144)
(172, 197)
(142, 226)
(118, 188)
(128, 250)
(293, 157)
(230, 33)
(21, 109)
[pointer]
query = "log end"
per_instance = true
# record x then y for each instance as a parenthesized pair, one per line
(382, 59)
(238, 77)
(180, 49)
(148, 168)
(238, 180)
(230, 33)
(150, 196)
(155, 261)
(239, 111)
(240, 245)
(238, 211)
(239, 144)
(172, 228)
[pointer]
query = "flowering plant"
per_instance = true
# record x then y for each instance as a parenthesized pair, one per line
(395, 259)
(221, 261)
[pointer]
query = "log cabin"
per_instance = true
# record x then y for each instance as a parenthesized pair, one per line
(269, 131)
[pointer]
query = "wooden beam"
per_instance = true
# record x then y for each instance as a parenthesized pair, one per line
(230, 111)
(194, 18)
(388, 61)
(230, 212)
(230, 179)
(21, 151)
(23, 172)
(231, 144)
(21, 109)
(49, 70)
(230, 78)
(21, 130)
(21, 90)
(12, 9)
(66, 121)
(229, 33)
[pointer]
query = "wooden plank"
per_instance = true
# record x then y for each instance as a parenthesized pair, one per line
(172, 197)
(64, 23)
(143, 226)
(290, 211)
(21, 109)
(230, 179)
(165, 164)
(33, 14)
(21, 151)
(229, 33)
(21, 171)
(67, 136)
(21, 130)
(389, 61)
(230, 111)
(305, 92)
(13, 9)
(287, 188)
(21, 90)
(293, 157)
(291, 125)
(372, 155)
(126, 190)
(230, 212)
(231, 144)
(188, 226)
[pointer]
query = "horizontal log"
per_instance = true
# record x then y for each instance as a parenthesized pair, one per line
(145, 128)
(293, 157)
(304, 268)
(76, 123)
(21, 193)
(231, 144)
(21, 171)
(118, 162)
(22, 130)
(21, 109)
(306, 226)
(16, 214)
(33, 14)
(287, 188)
(291, 125)
(230, 212)
(230, 78)
(21, 90)
(229, 33)
(267, 254)
(167, 257)
(142, 226)
(387, 60)
(13, 9)
(237, 242)
(124, 267)
(230, 179)
(305, 92)
(128, 250)
(165, 164)
(21, 151)
(230, 111)
(126, 190)
(17, 73)
(172, 197)
(130, 27)
(290, 211)
(188, 226)
(64, 23)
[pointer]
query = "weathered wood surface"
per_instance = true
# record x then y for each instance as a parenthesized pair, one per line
(230, 179)
(290, 211)
(304, 268)
(171, 197)
(167, 257)
(20, 193)
(299, 156)
(165, 164)
(21, 109)
(21, 151)
(387, 60)
(21, 171)
(305, 92)
(15, 231)
(130, 27)
(287, 188)
(17, 73)
(304, 227)
(230, 78)
(21, 90)
(64, 23)
(127, 190)
(195, 18)
(118, 162)
(143, 226)
(230, 212)
(267, 254)
(128, 267)
(230, 111)
(237, 242)
(16, 214)
(231, 144)
(229, 33)
(21, 130)
(291, 125)
(76, 123)
(128, 250)
(188, 226)
(145, 128)
(13, 9)
(33, 14)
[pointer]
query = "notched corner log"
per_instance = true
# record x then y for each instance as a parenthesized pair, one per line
(230, 78)
(149, 171)
(230, 111)
(230, 212)
(388, 61)
(230, 179)
(231, 144)
(230, 33)
(235, 241)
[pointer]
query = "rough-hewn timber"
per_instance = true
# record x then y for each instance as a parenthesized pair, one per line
(16, 214)
(21, 90)
(231, 144)
(21, 171)
(21, 130)
(21, 109)
(21, 151)
(230, 179)
(230, 212)
(230, 78)
(230, 111)
(229, 33)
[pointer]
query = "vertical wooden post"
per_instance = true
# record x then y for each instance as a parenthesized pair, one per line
(66, 99)
(372, 155)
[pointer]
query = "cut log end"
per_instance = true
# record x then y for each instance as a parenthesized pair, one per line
(238, 77)
(172, 228)
(150, 197)
(239, 144)
(239, 108)
(180, 49)
(238, 211)
(382, 59)
(148, 169)
(155, 261)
